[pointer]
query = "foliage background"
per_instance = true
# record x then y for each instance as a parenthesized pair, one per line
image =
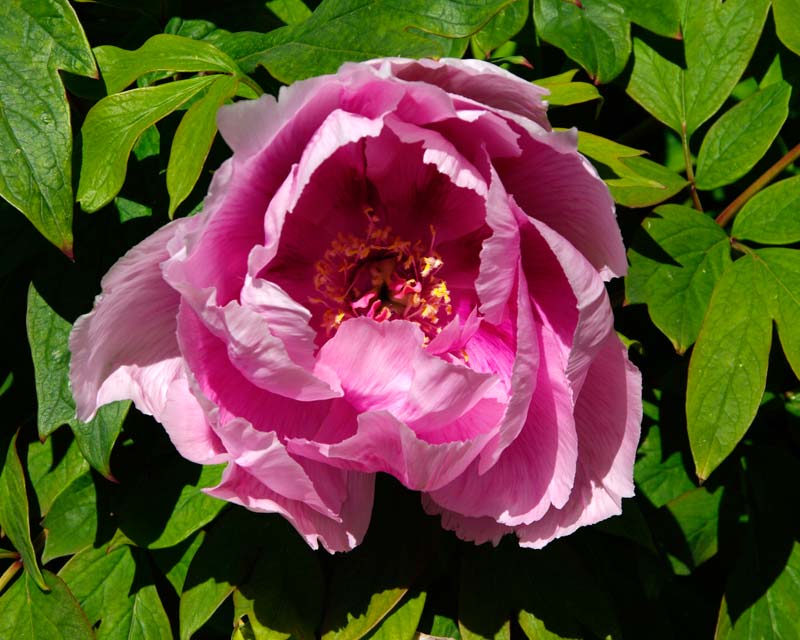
(688, 108)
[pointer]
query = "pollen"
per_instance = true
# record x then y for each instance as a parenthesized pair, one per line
(382, 276)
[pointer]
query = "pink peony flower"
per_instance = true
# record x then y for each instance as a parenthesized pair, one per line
(399, 270)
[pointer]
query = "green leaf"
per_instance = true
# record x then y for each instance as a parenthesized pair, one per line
(71, 523)
(770, 217)
(719, 40)
(641, 182)
(660, 476)
(564, 92)
(282, 597)
(27, 613)
(222, 563)
(502, 27)
(113, 125)
(728, 369)
(661, 17)
(130, 210)
(775, 615)
(780, 279)
(48, 335)
(594, 34)
(676, 261)
(115, 588)
(14, 517)
(52, 469)
(785, 13)
(174, 561)
(166, 504)
(162, 52)
(739, 139)
(38, 38)
(697, 514)
(402, 623)
(193, 139)
(289, 11)
(350, 30)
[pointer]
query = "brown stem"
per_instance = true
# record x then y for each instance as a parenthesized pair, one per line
(687, 158)
(762, 181)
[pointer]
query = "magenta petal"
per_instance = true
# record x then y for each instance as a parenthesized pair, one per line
(126, 347)
(340, 533)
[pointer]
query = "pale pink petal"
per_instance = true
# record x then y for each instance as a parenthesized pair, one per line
(557, 185)
(341, 533)
(125, 348)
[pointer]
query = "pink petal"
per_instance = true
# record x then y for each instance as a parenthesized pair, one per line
(125, 348)
(575, 202)
(340, 533)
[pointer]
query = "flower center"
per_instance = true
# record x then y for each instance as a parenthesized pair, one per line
(383, 277)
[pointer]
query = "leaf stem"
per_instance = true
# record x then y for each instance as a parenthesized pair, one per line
(759, 183)
(245, 79)
(687, 158)
(9, 573)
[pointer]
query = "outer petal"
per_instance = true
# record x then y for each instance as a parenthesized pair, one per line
(557, 185)
(125, 348)
(336, 534)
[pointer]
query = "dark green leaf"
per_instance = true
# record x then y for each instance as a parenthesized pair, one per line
(660, 476)
(739, 139)
(71, 523)
(162, 52)
(39, 37)
(166, 504)
(786, 22)
(222, 563)
(780, 278)
(174, 561)
(289, 11)
(662, 17)
(656, 84)
(594, 34)
(350, 30)
(27, 613)
(770, 217)
(675, 263)
(502, 27)
(14, 511)
(48, 335)
(728, 369)
(115, 588)
(52, 469)
(697, 514)
(193, 139)
(282, 597)
(114, 124)
(401, 624)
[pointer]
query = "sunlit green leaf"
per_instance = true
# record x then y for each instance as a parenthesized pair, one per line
(28, 613)
(771, 216)
(660, 16)
(71, 523)
(162, 52)
(114, 587)
(739, 139)
(676, 261)
(174, 561)
(350, 30)
(502, 27)
(113, 125)
(564, 92)
(37, 38)
(193, 139)
(786, 14)
(401, 624)
(728, 369)
(14, 516)
(289, 11)
(51, 469)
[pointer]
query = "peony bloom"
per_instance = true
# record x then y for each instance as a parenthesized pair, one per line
(399, 270)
